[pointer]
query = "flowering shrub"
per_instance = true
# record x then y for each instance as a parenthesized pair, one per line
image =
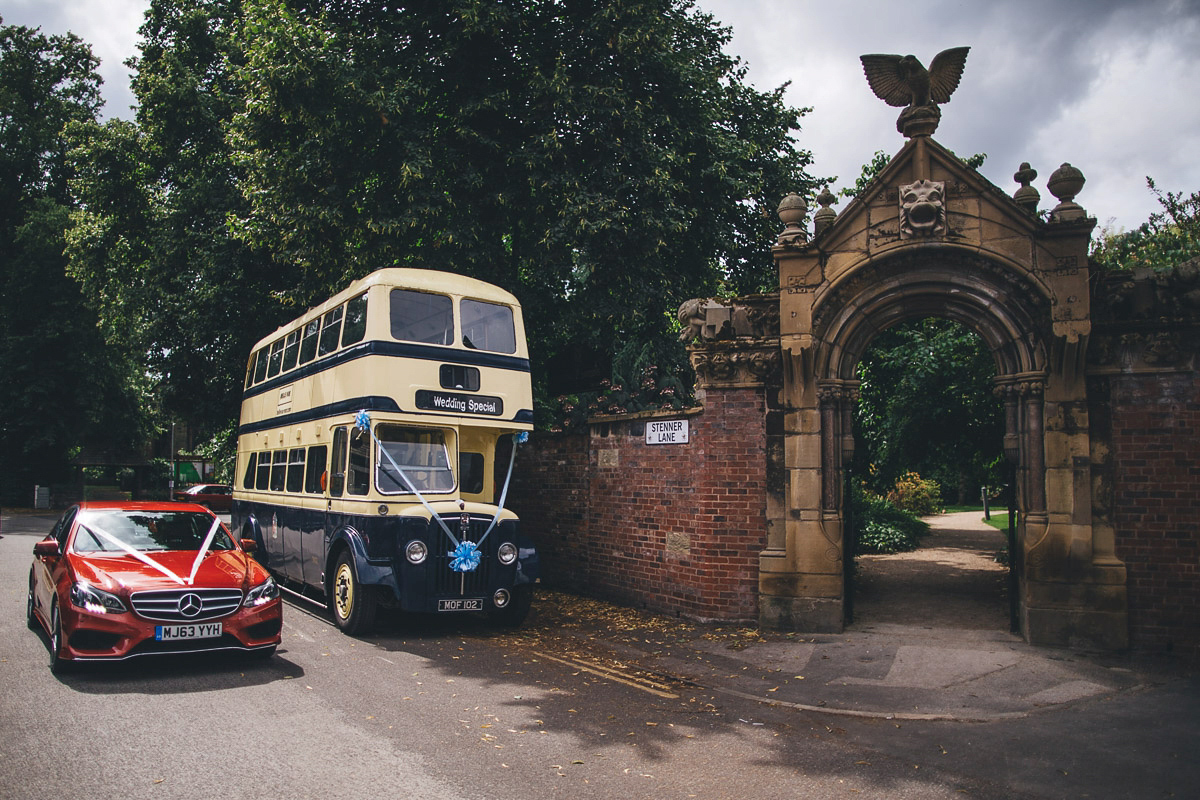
(918, 495)
(880, 527)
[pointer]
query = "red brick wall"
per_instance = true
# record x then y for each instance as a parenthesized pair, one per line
(1156, 473)
(674, 528)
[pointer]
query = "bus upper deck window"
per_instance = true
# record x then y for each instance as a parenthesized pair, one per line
(250, 370)
(260, 366)
(308, 347)
(291, 349)
(331, 332)
(275, 359)
(488, 326)
(422, 317)
(355, 326)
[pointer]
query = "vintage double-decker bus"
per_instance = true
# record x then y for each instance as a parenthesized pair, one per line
(375, 447)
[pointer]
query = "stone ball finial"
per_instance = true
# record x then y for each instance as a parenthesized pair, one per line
(1065, 183)
(792, 211)
(1026, 196)
(825, 215)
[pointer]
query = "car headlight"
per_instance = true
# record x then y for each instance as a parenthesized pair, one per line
(95, 600)
(507, 553)
(416, 551)
(263, 593)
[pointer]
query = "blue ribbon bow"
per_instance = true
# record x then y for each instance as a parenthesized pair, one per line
(465, 557)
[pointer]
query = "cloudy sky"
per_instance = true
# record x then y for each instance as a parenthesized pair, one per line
(1109, 85)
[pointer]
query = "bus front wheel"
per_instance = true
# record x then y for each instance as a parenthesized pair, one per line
(353, 604)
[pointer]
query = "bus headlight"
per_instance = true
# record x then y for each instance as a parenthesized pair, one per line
(416, 551)
(507, 553)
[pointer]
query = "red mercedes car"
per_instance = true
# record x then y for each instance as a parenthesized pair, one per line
(118, 580)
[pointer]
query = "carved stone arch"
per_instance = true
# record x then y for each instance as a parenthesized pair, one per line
(1020, 282)
(1007, 309)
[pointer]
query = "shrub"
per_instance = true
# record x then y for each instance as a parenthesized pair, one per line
(916, 494)
(881, 527)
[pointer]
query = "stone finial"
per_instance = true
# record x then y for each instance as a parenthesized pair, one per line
(792, 211)
(825, 215)
(1026, 196)
(1065, 183)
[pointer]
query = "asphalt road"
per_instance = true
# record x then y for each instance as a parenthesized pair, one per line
(454, 709)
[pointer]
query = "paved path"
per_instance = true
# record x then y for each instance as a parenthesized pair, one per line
(930, 640)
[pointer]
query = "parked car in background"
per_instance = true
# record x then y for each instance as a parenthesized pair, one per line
(211, 495)
(117, 580)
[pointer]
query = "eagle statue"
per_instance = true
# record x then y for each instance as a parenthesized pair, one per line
(904, 81)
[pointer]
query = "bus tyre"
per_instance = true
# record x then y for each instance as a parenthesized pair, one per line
(514, 614)
(353, 604)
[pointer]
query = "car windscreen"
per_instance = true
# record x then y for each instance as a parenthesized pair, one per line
(144, 531)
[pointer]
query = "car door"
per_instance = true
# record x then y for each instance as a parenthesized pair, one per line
(46, 569)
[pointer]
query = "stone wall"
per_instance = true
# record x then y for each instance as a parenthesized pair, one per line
(676, 528)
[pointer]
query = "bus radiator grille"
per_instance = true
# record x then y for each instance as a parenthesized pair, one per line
(447, 582)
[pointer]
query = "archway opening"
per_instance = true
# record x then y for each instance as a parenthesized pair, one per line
(929, 436)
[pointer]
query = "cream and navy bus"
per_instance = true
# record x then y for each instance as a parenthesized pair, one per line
(376, 444)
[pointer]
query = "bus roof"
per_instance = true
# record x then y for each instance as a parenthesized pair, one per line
(426, 280)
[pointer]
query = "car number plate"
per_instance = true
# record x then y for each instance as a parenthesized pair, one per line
(199, 630)
(461, 604)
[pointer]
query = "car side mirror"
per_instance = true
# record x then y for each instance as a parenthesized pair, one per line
(47, 548)
(249, 545)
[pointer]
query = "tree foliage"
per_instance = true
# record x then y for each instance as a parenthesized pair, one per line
(1168, 238)
(62, 388)
(151, 242)
(603, 161)
(927, 407)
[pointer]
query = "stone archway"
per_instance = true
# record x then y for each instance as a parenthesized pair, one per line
(932, 237)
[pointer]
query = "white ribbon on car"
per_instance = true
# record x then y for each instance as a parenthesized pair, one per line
(150, 562)
(212, 532)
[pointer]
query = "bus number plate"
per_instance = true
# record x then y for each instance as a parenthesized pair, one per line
(461, 604)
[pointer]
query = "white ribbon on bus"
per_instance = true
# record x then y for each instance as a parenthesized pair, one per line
(362, 421)
(150, 562)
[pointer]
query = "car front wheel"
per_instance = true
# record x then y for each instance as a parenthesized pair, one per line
(58, 664)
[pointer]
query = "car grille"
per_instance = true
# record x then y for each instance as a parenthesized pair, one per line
(186, 605)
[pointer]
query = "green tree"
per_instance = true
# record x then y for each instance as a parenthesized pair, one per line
(603, 161)
(927, 406)
(62, 387)
(151, 240)
(1168, 238)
